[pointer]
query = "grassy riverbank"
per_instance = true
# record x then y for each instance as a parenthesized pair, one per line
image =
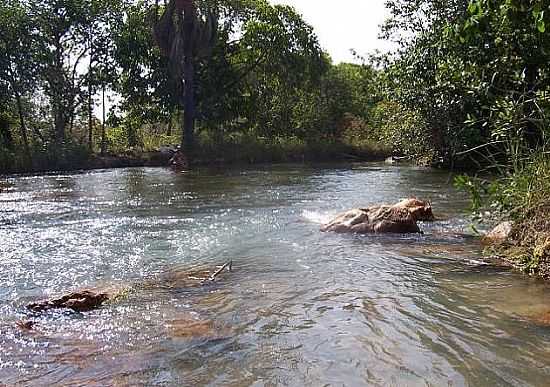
(236, 151)
(526, 196)
(523, 197)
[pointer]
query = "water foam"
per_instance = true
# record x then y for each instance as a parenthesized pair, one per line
(316, 216)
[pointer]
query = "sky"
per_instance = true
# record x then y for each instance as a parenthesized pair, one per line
(344, 25)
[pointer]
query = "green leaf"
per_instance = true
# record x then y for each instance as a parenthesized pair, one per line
(541, 26)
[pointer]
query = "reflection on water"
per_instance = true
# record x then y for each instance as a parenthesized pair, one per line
(300, 308)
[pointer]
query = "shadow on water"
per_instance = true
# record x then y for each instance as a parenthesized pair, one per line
(300, 308)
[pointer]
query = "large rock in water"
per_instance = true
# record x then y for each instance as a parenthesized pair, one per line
(399, 218)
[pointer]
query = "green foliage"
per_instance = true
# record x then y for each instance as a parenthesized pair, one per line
(400, 128)
(266, 86)
(476, 188)
(475, 71)
(512, 195)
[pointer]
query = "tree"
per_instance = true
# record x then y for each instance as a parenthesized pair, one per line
(63, 27)
(475, 70)
(148, 93)
(266, 62)
(185, 36)
(18, 64)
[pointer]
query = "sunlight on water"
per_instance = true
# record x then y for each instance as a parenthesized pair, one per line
(317, 217)
(301, 307)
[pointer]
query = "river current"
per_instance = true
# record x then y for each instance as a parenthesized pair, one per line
(299, 308)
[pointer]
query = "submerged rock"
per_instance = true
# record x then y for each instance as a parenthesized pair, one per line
(400, 218)
(182, 278)
(541, 319)
(499, 235)
(190, 328)
(81, 301)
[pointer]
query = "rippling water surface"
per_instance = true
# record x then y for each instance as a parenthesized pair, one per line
(300, 307)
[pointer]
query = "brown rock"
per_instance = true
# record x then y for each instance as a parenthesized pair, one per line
(81, 301)
(542, 319)
(188, 328)
(419, 209)
(499, 235)
(377, 219)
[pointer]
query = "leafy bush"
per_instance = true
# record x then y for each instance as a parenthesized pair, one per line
(389, 125)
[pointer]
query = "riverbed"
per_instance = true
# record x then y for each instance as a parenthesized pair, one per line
(300, 307)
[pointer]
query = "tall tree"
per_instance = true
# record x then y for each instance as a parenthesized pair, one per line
(64, 25)
(185, 36)
(19, 42)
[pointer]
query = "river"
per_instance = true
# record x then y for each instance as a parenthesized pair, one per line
(299, 308)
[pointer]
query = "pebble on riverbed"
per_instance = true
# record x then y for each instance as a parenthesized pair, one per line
(188, 328)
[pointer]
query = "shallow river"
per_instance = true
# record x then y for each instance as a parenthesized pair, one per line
(299, 307)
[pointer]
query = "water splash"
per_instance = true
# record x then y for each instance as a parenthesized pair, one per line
(317, 217)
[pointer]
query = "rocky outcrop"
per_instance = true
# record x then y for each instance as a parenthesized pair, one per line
(398, 218)
(81, 301)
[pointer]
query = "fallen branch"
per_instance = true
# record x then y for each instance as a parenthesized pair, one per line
(220, 270)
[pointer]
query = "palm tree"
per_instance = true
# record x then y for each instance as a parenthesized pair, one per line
(185, 36)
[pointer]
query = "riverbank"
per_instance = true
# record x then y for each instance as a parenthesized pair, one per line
(526, 245)
(206, 154)
(523, 198)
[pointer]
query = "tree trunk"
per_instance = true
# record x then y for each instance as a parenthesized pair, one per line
(103, 138)
(59, 124)
(37, 133)
(5, 133)
(189, 104)
(169, 126)
(23, 128)
(189, 108)
(90, 124)
(60, 121)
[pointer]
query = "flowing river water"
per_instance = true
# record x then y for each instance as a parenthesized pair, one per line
(300, 307)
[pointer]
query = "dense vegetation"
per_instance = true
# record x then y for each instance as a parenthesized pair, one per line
(476, 72)
(248, 80)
